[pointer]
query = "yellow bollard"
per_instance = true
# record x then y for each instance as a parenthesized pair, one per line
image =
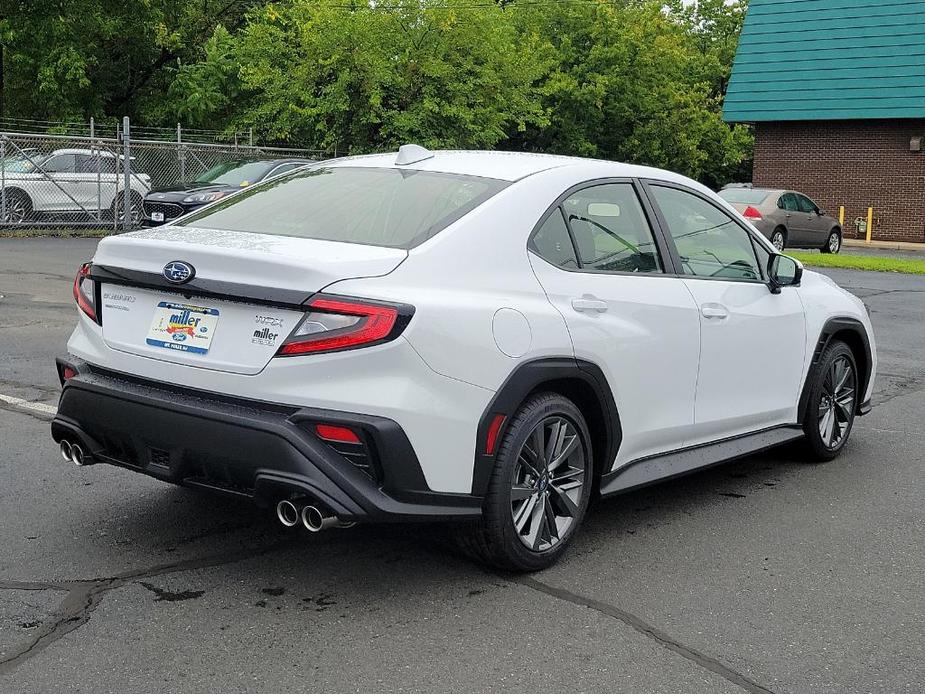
(870, 222)
(841, 216)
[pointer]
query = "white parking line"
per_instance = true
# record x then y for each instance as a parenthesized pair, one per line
(28, 404)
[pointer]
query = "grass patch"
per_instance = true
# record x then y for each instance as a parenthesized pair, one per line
(910, 266)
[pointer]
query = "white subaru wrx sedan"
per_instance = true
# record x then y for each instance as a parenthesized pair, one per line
(478, 337)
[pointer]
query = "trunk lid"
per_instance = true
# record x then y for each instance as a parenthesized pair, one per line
(233, 329)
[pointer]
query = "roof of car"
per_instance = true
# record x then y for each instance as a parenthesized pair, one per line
(507, 166)
(87, 152)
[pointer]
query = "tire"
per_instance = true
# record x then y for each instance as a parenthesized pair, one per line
(515, 534)
(825, 413)
(832, 242)
(779, 239)
(135, 210)
(18, 208)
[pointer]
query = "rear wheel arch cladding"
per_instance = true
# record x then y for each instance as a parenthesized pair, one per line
(581, 382)
(512, 332)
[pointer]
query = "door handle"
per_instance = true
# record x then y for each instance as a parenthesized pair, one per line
(589, 304)
(715, 311)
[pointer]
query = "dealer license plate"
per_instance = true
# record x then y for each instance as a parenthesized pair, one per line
(183, 327)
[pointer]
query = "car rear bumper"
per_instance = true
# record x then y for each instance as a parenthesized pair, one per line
(253, 450)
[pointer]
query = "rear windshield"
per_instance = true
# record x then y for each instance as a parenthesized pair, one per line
(373, 206)
(744, 196)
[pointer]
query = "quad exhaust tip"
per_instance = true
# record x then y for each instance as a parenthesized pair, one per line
(65, 449)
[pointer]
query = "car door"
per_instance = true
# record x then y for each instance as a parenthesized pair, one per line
(793, 219)
(817, 228)
(603, 268)
(55, 186)
(752, 341)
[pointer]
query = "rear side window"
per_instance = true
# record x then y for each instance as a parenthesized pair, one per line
(552, 242)
(610, 229)
(788, 201)
(372, 206)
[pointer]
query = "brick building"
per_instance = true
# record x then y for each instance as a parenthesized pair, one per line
(836, 92)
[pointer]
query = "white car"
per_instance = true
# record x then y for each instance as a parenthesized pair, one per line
(69, 182)
(482, 337)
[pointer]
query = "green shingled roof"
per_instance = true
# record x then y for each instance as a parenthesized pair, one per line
(829, 60)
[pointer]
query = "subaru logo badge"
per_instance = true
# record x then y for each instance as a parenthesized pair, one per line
(178, 272)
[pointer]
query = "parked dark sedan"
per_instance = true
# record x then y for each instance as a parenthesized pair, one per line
(165, 204)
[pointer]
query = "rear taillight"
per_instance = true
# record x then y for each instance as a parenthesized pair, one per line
(751, 213)
(335, 323)
(85, 292)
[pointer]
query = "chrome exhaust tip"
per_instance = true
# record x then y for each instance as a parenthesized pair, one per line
(315, 520)
(287, 513)
(65, 449)
(77, 455)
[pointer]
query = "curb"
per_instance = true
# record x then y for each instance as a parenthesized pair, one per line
(885, 245)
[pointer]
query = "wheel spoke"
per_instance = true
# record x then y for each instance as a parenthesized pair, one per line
(519, 492)
(552, 529)
(841, 372)
(537, 521)
(564, 452)
(568, 505)
(825, 425)
(556, 441)
(523, 515)
(538, 441)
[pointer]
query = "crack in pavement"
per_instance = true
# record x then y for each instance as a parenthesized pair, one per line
(83, 597)
(660, 637)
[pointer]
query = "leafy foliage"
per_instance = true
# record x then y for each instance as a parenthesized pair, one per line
(634, 80)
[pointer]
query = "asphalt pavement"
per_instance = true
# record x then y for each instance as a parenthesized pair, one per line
(763, 575)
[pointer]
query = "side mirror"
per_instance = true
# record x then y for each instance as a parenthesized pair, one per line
(784, 271)
(821, 213)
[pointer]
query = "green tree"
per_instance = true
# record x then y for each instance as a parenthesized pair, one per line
(72, 59)
(451, 75)
(632, 82)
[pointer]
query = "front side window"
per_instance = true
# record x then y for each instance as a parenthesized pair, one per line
(610, 229)
(59, 163)
(373, 206)
(709, 242)
(806, 205)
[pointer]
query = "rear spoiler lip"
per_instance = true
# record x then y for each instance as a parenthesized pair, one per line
(291, 299)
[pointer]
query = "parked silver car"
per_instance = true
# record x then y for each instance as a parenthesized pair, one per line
(787, 218)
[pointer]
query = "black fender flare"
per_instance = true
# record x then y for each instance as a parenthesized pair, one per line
(829, 330)
(528, 377)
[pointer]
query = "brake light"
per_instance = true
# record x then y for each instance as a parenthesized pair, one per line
(751, 213)
(335, 323)
(330, 432)
(85, 292)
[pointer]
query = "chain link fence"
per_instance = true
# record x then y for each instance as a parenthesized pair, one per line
(65, 181)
